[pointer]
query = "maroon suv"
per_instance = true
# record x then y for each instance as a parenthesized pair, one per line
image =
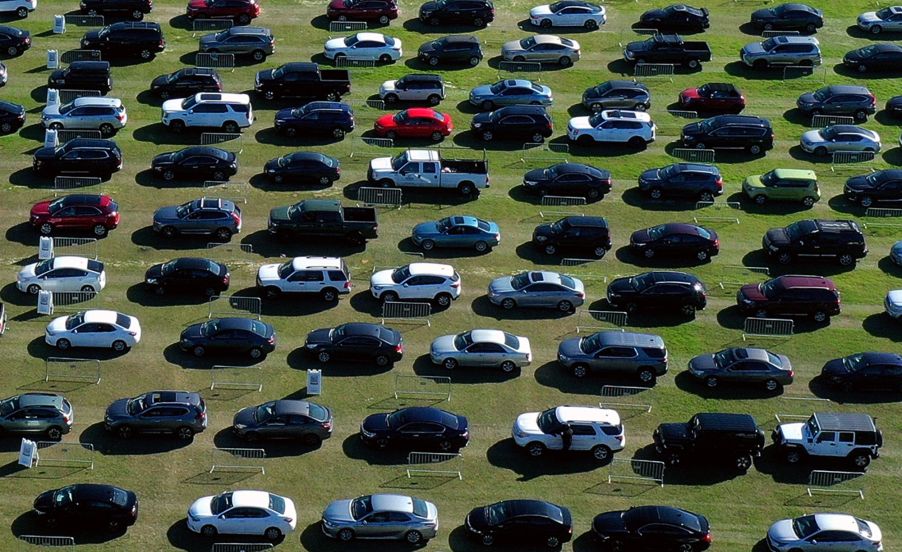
(381, 11)
(241, 11)
(93, 213)
(791, 296)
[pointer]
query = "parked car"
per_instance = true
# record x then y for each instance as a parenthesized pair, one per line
(382, 517)
(824, 531)
(617, 94)
(610, 352)
(521, 522)
(710, 438)
(895, 253)
(529, 123)
(303, 167)
(195, 163)
(323, 218)
(742, 365)
(98, 329)
(377, 11)
(848, 436)
(179, 413)
(790, 296)
(302, 80)
(188, 275)
(652, 528)
(428, 169)
(107, 115)
(840, 138)
(126, 39)
(209, 216)
(229, 336)
(457, 232)
(537, 289)
(453, 49)
(676, 17)
(747, 132)
(14, 41)
(257, 42)
(239, 11)
(134, 9)
(672, 49)
(302, 421)
(12, 117)
(87, 504)
(542, 48)
(478, 13)
(783, 185)
(877, 187)
(481, 348)
(676, 240)
(76, 212)
(591, 429)
(717, 97)
(844, 99)
(417, 281)
(365, 46)
(875, 57)
(356, 342)
(632, 128)
(658, 290)
(62, 274)
(416, 122)
(842, 240)
(46, 414)
(804, 51)
(229, 112)
(327, 277)
(186, 83)
(416, 428)
(243, 513)
(83, 75)
(892, 303)
(569, 179)
(413, 87)
(697, 181)
(879, 371)
(570, 13)
(579, 234)
(886, 19)
(333, 118)
(510, 92)
(789, 17)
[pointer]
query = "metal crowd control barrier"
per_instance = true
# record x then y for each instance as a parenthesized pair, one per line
(67, 95)
(215, 61)
(70, 182)
(64, 135)
(772, 33)
(833, 482)
(586, 320)
(80, 20)
(407, 311)
(343, 61)
(562, 201)
(435, 387)
(230, 305)
(693, 155)
(62, 454)
(621, 395)
(520, 66)
(631, 469)
(820, 121)
(416, 459)
(48, 540)
(240, 546)
(208, 138)
(375, 141)
(347, 26)
(237, 460)
(80, 55)
(381, 197)
(72, 370)
(236, 377)
(653, 70)
(210, 25)
(767, 327)
(683, 113)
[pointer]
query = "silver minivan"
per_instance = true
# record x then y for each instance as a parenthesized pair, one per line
(782, 50)
(92, 113)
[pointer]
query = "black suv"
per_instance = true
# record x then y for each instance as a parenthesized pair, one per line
(451, 49)
(134, 9)
(617, 94)
(187, 82)
(83, 75)
(685, 241)
(844, 99)
(839, 239)
(569, 179)
(82, 156)
(578, 233)
(333, 118)
(181, 413)
(458, 12)
(529, 123)
(711, 437)
(126, 39)
(688, 180)
(188, 274)
(12, 117)
(14, 41)
(658, 290)
(881, 186)
(790, 296)
(730, 131)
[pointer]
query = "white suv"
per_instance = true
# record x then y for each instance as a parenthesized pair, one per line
(417, 281)
(598, 430)
(327, 276)
(627, 127)
(851, 436)
(21, 7)
(230, 112)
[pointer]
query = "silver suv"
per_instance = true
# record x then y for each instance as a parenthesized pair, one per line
(254, 41)
(44, 413)
(230, 112)
(641, 355)
(328, 277)
(782, 50)
(208, 215)
(92, 113)
(415, 87)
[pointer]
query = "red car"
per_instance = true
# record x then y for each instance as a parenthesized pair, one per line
(93, 213)
(417, 122)
(242, 11)
(382, 11)
(713, 97)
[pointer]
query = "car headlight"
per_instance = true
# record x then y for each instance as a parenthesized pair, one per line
(193, 517)
(477, 125)
(151, 280)
(240, 426)
(541, 239)
(519, 432)
(367, 434)
(328, 523)
(310, 345)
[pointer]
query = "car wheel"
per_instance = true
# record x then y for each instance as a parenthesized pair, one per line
(688, 310)
(641, 107)
(444, 445)
(810, 28)
(230, 127)
(768, 26)
(535, 449)
(592, 194)
(146, 54)
(125, 432)
(437, 136)
(508, 304)
(383, 20)
(389, 297)
(636, 142)
(819, 316)
(545, 23)
(244, 19)
(599, 252)
(54, 433)
(820, 151)
(585, 140)
(846, 260)
(702, 255)
(272, 534)
(119, 346)
(861, 461)
(487, 135)
(481, 247)
(590, 25)
(754, 149)
(12, 51)
(706, 197)
(199, 351)
(866, 201)
(580, 370)
(258, 55)
(382, 360)
(565, 306)
(6, 128)
(656, 193)
(760, 200)
(550, 249)
(223, 234)
(537, 138)
(385, 59)
(711, 382)
(338, 133)
(100, 230)
(861, 115)
(784, 258)
(208, 531)
(443, 300)
(771, 385)
(312, 440)
(793, 456)
(329, 295)
(596, 107)
(391, 134)
(434, 99)
(647, 376)
(63, 344)
(673, 459)
(177, 126)
(565, 61)
(106, 129)
(168, 175)
(346, 535)
(466, 189)
(164, 94)
(219, 176)
(876, 29)
(137, 15)
(552, 542)
(601, 453)
(808, 201)
(433, 61)
(255, 353)
(648, 253)
(508, 366)
(685, 548)
(56, 126)
(184, 433)
(34, 289)
(631, 307)
(693, 64)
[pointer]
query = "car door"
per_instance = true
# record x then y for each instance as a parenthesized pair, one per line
(354, 347)
(56, 280)
(234, 521)
(86, 216)
(824, 444)
(276, 426)
(890, 191)
(584, 437)
(535, 295)
(377, 525)
(197, 166)
(25, 420)
(492, 354)
(615, 358)
(661, 536)
(890, 377)
(150, 420)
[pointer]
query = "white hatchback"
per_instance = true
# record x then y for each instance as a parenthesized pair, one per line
(596, 430)
(62, 274)
(103, 329)
(364, 47)
(626, 127)
(417, 281)
(243, 513)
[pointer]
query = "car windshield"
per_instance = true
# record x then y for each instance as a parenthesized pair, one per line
(389, 41)
(135, 406)
(706, 126)
(167, 267)
(278, 72)
(286, 269)
(548, 421)
(264, 412)
(43, 267)
(497, 87)
(184, 209)
(853, 362)
(462, 341)
(276, 504)
(222, 35)
(361, 506)
(805, 526)
(400, 274)
(829, 133)
(496, 513)
(885, 13)
(656, 232)
(221, 503)
(527, 43)
(118, 497)
(770, 288)
(799, 229)
(188, 103)
(724, 358)
(209, 328)
(668, 171)
(812, 426)
(774, 359)
(401, 117)
(283, 161)
(769, 179)
(63, 496)
(703, 232)
(8, 406)
(864, 528)
(590, 344)
(511, 341)
(868, 51)
(438, 116)
(640, 282)
(66, 108)
(520, 280)
(419, 508)
(821, 94)
(351, 40)
(769, 44)
(75, 320)
(398, 161)
(444, 224)
(597, 119)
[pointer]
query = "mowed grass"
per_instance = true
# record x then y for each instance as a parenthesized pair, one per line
(168, 475)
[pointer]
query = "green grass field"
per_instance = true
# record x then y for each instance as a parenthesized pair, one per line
(168, 475)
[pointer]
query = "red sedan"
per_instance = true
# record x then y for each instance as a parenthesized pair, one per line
(381, 11)
(242, 11)
(417, 122)
(713, 97)
(93, 213)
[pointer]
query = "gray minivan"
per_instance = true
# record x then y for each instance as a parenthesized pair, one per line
(621, 353)
(782, 50)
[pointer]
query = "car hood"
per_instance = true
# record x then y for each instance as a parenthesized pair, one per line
(245, 416)
(265, 75)
(752, 293)
(44, 501)
(391, 85)
(807, 98)
(690, 93)
(482, 118)
(620, 285)
(638, 46)
(543, 230)
(45, 154)
(484, 91)
(529, 423)
(382, 278)
(386, 121)
(608, 523)
(118, 409)
(540, 10)
(159, 81)
(91, 37)
(580, 123)
(792, 432)
(691, 129)
(269, 272)
(319, 337)
(155, 271)
(782, 532)
(835, 367)
(894, 297)
(571, 347)
(339, 511)
(777, 236)
(285, 113)
(673, 431)
(375, 422)
(41, 207)
(381, 164)
(512, 46)
(193, 331)
(640, 236)
(208, 39)
(279, 214)
(501, 285)
(426, 229)
(56, 75)
(858, 183)
(272, 165)
(703, 363)
(424, 48)
(856, 54)
(27, 272)
(869, 17)
(812, 137)
(52, 110)
(170, 212)
(444, 344)
(335, 44)
(753, 181)
(163, 159)
(57, 324)
(202, 507)
(170, 106)
(753, 48)
(197, 4)
(651, 175)
(535, 175)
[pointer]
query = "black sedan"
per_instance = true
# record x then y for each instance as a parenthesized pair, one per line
(302, 421)
(882, 371)
(880, 186)
(792, 17)
(13, 41)
(356, 341)
(676, 17)
(303, 167)
(658, 290)
(652, 528)
(88, 505)
(188, 275)
(894, 107)
(195, 163)
(12, 117)
(187, 82)
(416, 428)
(677, 240)
(880, 57)
(521, 521)
(569, 179)
(743, 365)
(229, 335)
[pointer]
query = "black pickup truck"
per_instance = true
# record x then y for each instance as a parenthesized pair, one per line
(667, 49)
(323, 218)
(303, 80)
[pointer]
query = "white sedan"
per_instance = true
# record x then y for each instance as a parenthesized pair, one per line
(364, 47)
(62, 274)
(243, 513)
(816, 532)
(568, 13)
(94, 328)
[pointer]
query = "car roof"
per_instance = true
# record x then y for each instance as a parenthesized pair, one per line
(882, 358)
(70, 262)
(90, 65)
(100, 315)
(322, 105)
(464, 220)
(721, 421)
(799, 280)
(391, 503)
(193, 262)
(40, 399)
(298, 66)
(461, 38)
(431, 269)
(739, 120)
(583, 220)
(422, 77)
(180, 397)
(611, 337)
(547, 39)
(843, 421)
(796, 174)
(522, 110)
(332, 263)
(623, 84)
(671, 276)
(697, 167)
(306, 156)
(526, 507)
(796, 40)
(681, 228)
(237, 323)
(587, 414)
(288, 406)
(92, 491)
(664, 514)
(206, 150)
(725, 86)
(421, 112)
(426, 414)
(89, 143)
(751, 353)
(362, 328)
(377, 37)
(580, 168)
(510, 83)
(836, 522)
(252, 499)
(247, 29)
(848, 89)
(852, 129)
(96, 101)
(225, 97)
(798, 6)
(487, 336)
(215, 203)
(544, 276)
(621, 114)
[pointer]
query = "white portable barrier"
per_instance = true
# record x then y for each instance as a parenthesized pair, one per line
(416, 462)
(67, 95)
(835, 482)
(237, 460)
(562, 201)
(653, 70)
(64, 135)
(70, 182)
(209, 138)
(771, 33)
(380, 197)
(588, 321)
(215, 61)
(48, 540)
(59, 24)
(631, 469)
(425, 387)
(683, 113)
(343, 61)
(53, 97)
(692, 155)
(346, 26)
(53, 59)
(51, 138)
(211, 25)
(767, 327)
(235, 190)
(62, 454)
(407, 311)
(621, 396)
(45, 302)
(236, 377)
(85, 370)
(232, 305)
(240, 546)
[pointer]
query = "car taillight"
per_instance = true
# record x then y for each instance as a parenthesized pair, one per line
(348, 285)
(606, 181)
(873, 99)
(66, 418)
(327, 426)
(271, 340)
(399, 348)
(707, 538)
(791, 373)
(455, 285)
(717, 243)
(120, 116)
(225, 279)
(162, 43)
(581, 295)
(201, 416)
(236, 218)
(338, 170)
(719, 183)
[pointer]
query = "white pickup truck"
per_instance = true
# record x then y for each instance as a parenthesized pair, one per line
(427, 169)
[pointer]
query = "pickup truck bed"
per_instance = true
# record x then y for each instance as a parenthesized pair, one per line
(360, 214)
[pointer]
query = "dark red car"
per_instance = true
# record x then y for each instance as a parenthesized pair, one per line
(417, 122)
(242, 11)
(381, 11)
(93, 213)
(713, 97)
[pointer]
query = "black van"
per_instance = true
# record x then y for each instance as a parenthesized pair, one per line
(83, 75)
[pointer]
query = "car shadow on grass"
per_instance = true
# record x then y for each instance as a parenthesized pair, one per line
(269, 246)
(626, 255)
(406, 245)
(147, 178)
(820, 388)
(354, 448)
(634, 197)
(724, 391)
(887, 265)
(771, 207)
(142, 295)
(690, 472)
(29, 523)
(528, 252)
(159, 134)
(483, 307)
(364, 302)
(182, 538)
(175, 355)
(298, 359)
(145, 238)
(11, 295)
(882, 325)
(275, 448)
(552, 374)
(423, 366)
(645, 318)
(28, 178)
(22, 233)
(773, 464)
(507, 455)
(108, 444)
(39, 349)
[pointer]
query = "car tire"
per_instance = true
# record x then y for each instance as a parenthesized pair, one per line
(538, 138)
(106, 129)
(508, 366)
(810, 28)
(808, 201)
(565, 306)
(100, 230)
(383, 20)
(508, 304)
(219, 176)
(312, 440)
(860, 460)
(861, 116)
(535, 449)
(208, 531)
(256, 353)
(550, 249)
(636, 142)
(444, 445)
(688, 310)
(329, 295)
(481, 246)
(258, 55)
(434, 99)
(338, 133)
(711, 382)
(272, 534)
(580, 370)
(443, 300)
(385, 59)
(693, 64)
(244, 19)
(146, 54)
(34, 289)
(771, 385)
(545, 24)
(177, 126)
(846, 260)
(553, 542)
(391, 134)
(601, 453)
(706, 197)
(599, 252)
(656, 193)
(184, 433)
(22, 13)
(596, 107)
(819, 316)
(585, 141)
(673, 459)
(198, 351)
(866, 201)
(230, 127)
(389, 297)
(12, 51)
(223, 234)
(164, 94)
(478, 22)
(54, 433)
(590, 25)
(487, 136)
(437, 136)
(466, 189)
(820, 151)
(474, 61)
(119, 346)
(63, 344)
(794, 456)
(168, 175)
(345, 535)
(125, 432)
(565, 61)
(784, 258)
(876, 29)
(754, 149)
(647, 376)
(56, 126)
(6, 128)
(702, 256)
(488, 540)
(648, 253)
(592, 194)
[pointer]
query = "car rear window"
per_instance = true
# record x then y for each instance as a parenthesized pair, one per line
(419, 508)
(123, 320)
(119, 497)
(612, 429)
(277, 503)
(655, 353)
(317, 412)
(568, 281)
(337, 275)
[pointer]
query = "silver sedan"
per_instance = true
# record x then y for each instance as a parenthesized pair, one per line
(381, 516)
(537, 289)
(510, 92)
(543, 49)
(482, 348)
(840, 138)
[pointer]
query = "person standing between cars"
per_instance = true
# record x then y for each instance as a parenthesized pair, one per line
(566, 437)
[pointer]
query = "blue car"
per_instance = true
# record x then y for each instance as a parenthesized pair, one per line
(457, 231)
(510, 92)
